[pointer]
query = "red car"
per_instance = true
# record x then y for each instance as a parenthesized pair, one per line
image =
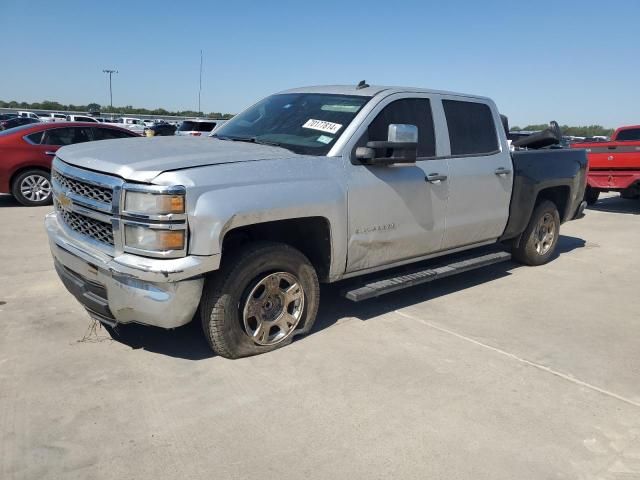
(615, 165)
(26, 153)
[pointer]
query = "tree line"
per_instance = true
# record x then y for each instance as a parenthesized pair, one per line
(584, 131)
(95, 107)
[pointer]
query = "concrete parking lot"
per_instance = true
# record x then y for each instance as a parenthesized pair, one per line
(504, 373)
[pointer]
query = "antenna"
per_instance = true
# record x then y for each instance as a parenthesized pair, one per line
(362, 84)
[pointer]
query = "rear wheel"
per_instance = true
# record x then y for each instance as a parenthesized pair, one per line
(259, 301)
(591, 195)
(540, 238)
(32, 188)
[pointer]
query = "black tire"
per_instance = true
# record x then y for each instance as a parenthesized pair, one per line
(532, 250)
(226, 293)
(591, 195)
(29, 187)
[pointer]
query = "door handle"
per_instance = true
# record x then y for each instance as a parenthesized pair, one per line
(435, 178)
(50, 153)
(502, 171)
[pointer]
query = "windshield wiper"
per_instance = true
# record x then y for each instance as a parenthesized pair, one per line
(251, 140)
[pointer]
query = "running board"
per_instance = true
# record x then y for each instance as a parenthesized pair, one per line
(379, 286)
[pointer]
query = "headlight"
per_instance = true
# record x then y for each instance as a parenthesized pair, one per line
(153, 239)
(153, 203)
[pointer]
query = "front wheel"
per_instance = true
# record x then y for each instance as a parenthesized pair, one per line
(540, 238)
(259, 300)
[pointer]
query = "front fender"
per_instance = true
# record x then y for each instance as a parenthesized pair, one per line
(223, 197)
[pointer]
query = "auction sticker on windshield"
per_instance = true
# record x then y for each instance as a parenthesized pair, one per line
(323, 126)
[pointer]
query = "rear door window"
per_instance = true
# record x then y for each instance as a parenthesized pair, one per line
(412, 111)
(472, 130)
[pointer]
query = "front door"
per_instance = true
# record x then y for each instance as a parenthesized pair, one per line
(394, 212)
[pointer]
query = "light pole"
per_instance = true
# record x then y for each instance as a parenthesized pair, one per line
(200, 86)
(110, 72)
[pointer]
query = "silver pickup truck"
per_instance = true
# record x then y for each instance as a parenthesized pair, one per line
(377, 187)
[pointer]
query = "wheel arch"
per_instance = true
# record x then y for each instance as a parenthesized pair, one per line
(559, 195)
(18, 171)
(309, 235)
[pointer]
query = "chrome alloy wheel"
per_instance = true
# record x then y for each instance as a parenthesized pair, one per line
(273, 308)
(545, 234)
(35, 188)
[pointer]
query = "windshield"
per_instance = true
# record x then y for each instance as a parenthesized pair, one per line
(306, 123)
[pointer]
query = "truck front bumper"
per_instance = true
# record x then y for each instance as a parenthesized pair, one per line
(128, 288)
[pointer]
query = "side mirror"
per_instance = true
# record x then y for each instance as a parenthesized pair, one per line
(401, 146)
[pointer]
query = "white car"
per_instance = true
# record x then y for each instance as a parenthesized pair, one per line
(81, 118)
(198, 127)
(28, 115)
(133, 124)
(52, 117)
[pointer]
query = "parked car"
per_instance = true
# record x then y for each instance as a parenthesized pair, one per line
(312, 184)
(7, 116)
(52, 117)
(17, 122)
(28, 115)
(80, 118)
(196, 127)
(160, 130)
(26, 153)
(614, 166)
(133, 124)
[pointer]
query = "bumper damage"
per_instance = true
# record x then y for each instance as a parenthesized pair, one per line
(128, 288)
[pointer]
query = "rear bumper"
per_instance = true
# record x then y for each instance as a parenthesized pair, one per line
(163, 293)
(612, 179)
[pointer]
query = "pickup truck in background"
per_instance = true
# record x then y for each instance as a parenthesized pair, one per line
(53, 117)
(614, 165)
(380, 188)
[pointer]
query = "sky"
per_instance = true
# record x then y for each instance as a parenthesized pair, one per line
(577, 62)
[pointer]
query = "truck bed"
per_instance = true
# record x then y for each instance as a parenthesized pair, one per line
(561, 173)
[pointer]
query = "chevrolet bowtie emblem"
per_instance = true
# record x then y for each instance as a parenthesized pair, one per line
(64, 201)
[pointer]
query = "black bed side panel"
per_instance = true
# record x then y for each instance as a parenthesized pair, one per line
(564, 170)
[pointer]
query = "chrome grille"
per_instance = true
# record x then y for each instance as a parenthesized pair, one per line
(95, 229)
(94, 192)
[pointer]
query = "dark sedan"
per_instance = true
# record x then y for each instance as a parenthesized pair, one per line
(17, 122)
(160, 130)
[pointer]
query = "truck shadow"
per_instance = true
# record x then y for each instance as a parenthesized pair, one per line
(335, 307)
(617, 204)
(188, 342)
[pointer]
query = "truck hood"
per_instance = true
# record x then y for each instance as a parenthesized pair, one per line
(143, 159)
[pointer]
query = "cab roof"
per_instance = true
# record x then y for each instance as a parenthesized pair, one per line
(373, 90)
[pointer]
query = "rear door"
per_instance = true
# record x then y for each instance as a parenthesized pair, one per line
(480, 173)
(394, 213)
